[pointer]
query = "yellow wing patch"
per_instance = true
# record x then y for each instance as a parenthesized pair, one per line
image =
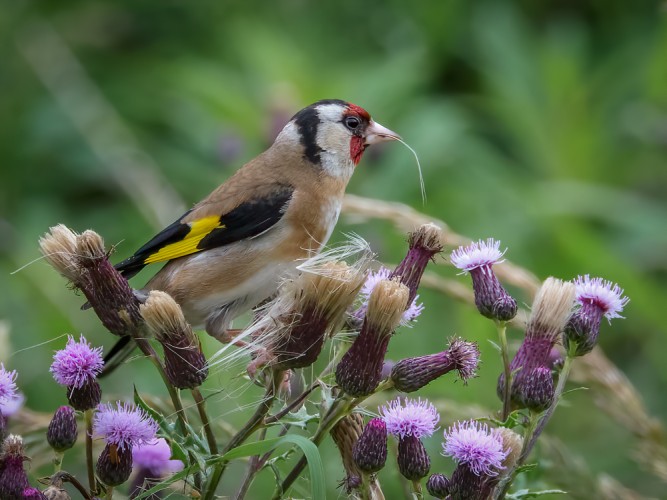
(188, 245)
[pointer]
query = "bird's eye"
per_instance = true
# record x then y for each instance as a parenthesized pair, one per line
(352, 122)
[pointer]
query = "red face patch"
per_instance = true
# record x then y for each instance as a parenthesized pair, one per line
(357, 148)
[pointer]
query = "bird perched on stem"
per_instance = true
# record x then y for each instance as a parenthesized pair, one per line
(230, 251)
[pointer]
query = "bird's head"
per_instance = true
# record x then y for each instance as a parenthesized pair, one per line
(335, 133)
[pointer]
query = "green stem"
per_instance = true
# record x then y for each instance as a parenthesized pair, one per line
(88, 419)
(148, 350)
(538, 422)
(109, 494)
(504, 350)
(254, 464)
(201, 408)
(338, 410)
(365, 488)
(57, 461)
(251, 426)
(417, 489)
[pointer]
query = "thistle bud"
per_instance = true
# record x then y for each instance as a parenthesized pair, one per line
(412, 374)
(370, 450)
(308, 310)
(360, 369)
(62, 431)
(596, 298)
(491, 299)
(437, 485)
(185, 364)
(13, 479)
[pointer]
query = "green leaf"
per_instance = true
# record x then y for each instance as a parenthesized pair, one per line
(524, 493)
(299, 418)
(514, 419)
(526, 468)
(309, 450)
(182, 475)
(162, 422)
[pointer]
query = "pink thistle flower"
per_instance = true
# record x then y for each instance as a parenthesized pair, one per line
(412, 417)
(474, 445)
(77, 364)
(124, 426)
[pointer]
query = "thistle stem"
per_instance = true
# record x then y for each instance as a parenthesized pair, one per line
(338, 410)
(88, 418)
(417, 490)
(57, 461)
(254, 464)
(365, 488)
(201, 408)
(109, 494)
(251, 426)
(504, 350)
(148, 350)
(539, 421)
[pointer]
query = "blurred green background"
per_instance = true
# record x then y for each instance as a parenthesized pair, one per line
(542, 124)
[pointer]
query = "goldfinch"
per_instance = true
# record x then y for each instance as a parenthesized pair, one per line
(232, 249)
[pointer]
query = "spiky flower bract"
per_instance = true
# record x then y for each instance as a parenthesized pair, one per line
(78, 363)
(62, 431)
(491, 299)
(124, 425)
(13, 478)
(473, 444)
(410, 417)
(370, 450)
(437, 485)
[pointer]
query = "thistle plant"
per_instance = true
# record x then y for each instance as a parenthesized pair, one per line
(319, 350)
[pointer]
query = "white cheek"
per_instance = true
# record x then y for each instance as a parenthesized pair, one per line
(335, 154)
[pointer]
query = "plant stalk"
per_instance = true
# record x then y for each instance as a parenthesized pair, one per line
(88, 418)
(504, 350)
(201, 408)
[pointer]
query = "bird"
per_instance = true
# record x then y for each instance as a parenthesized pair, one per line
(230, 251)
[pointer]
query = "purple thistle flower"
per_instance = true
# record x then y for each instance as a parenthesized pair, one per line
(370, 451)
(7, 384)
(124, 426)
(491, 299)
(597, 298)
(605, 295)
(473, 444)
(156, 457)
(12, 406)
(409, 315)
(152, 462)
(412, 374)
(76, 364)
(413, 417)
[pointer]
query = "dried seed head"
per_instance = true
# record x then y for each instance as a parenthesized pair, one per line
(13, 479)
(60, 249)
(346, 434)
(386, 305)
(309, 309)
(551, 309)
(359, 371)
(164, 317)
(90, 245)
(512, 444)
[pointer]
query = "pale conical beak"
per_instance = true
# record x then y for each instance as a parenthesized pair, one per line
(377, 133)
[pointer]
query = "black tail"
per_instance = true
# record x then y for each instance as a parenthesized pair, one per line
(117, 355)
